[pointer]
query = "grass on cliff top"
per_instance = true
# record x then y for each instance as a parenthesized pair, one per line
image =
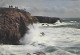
(4, 10)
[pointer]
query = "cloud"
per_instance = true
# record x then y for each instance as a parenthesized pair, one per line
(59, 8)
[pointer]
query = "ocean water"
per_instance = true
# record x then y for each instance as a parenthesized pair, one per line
(52, 39)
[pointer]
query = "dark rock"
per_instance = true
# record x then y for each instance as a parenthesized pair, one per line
(42, 33)
(35, 19)
(40, 53)
(13, 24)
(28, 54)
(43, 19)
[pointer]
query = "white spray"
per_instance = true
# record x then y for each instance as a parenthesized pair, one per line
(33, 32)
(32, 39)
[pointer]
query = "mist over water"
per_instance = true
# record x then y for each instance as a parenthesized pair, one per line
(58, 39)
(60, 35)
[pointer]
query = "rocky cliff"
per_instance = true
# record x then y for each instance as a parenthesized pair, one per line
(13, 24)
(43, 19)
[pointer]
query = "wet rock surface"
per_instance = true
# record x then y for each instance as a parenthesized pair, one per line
(13, 24)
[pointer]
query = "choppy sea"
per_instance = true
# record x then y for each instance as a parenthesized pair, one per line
(52, 39)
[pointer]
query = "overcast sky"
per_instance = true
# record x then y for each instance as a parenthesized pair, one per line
(57, 8)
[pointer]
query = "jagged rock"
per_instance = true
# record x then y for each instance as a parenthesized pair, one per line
(13, 24)
(43, 19)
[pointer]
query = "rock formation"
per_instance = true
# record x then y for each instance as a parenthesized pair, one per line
(13, 24)
(43, 19)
